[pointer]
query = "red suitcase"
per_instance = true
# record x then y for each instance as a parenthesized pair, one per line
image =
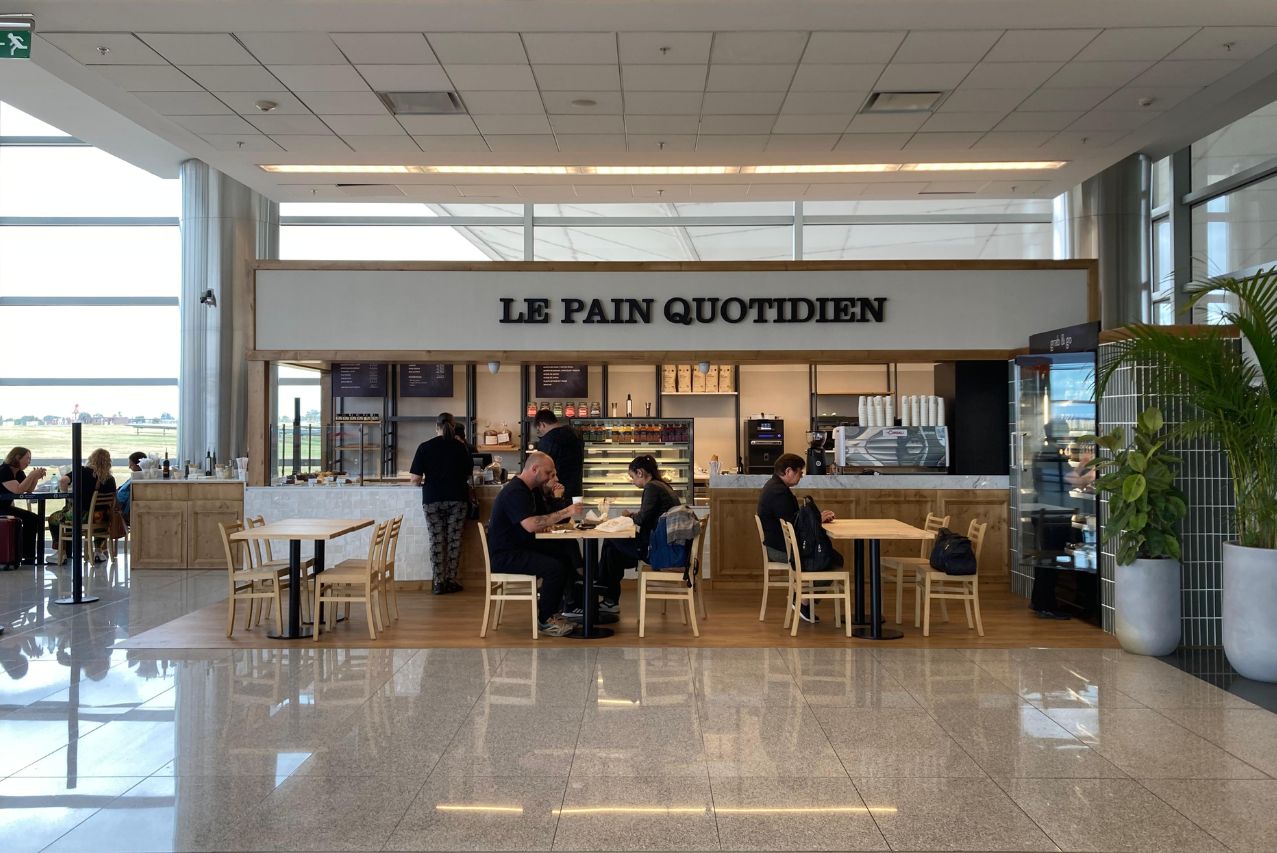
(10, 542)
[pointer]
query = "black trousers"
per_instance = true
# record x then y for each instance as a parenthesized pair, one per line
(1044, 582)
(548, 564)
(617, 556)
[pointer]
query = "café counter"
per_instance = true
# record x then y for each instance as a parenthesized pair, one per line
(173, 523)
(733, 500)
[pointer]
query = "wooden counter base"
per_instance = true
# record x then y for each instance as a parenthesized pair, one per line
(174, 522)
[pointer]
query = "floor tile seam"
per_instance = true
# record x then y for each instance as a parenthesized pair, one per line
(1157, 797)
(1208, 740)
(1011, 798)
(108, 805)
(386, 841)
(18, 770)
(865, 802)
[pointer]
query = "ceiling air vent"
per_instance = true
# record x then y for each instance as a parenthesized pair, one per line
(422, 103)
(902, 102)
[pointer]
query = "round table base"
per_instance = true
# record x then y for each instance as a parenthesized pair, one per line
(884, 634)
(595, 634)
(84, 600)
(302, 634)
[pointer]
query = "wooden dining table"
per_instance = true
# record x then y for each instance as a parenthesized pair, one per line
(873, 530)
(589, 537)
(297, 530)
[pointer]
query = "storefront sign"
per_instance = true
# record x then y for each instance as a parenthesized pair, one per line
(359, 379)
(357, 418)
(1081, 338)
(425, 380)
(685, 311)
(561, 380)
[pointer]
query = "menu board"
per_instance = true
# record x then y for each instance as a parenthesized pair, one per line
(425, 380)
(359, 379)
(561, 380)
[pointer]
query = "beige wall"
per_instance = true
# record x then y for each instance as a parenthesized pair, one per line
(715, 428)
(637, 380)
(780, 390)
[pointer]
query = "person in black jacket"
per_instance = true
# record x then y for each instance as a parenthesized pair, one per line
(776, 502)
(621, 554)
(441, 467)
(563, 444)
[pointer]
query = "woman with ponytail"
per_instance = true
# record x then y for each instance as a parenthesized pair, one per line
(441, 467)
(621, 554)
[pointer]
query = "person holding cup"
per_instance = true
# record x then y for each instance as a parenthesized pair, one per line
(15, 479)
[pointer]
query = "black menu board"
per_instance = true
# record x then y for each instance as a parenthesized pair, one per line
(425, 380)
(563, 381)
(359, 379)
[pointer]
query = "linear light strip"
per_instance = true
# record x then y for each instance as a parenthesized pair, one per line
(804, 169)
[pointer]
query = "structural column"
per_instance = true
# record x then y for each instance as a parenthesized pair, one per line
(225, 225)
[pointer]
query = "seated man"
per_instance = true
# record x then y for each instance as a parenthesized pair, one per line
(550, 498)
(514, 548)
(776, 502)
(125, 494)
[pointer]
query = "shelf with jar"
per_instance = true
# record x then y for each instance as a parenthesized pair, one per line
(611, 443)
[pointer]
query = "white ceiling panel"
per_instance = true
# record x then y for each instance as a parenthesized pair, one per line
(749, 78)
(961, 122)
(1128, 44)
(742, 103)
(199, 48)
(660, 103)
(449, 143)
(1084, 139)
(663, 78)
(1164, 97)
(941, 46)
(478, 48)
(852, 47)
(887, 122)
(1010, 75)
(1234, 43)
(1114, 120)
(370, 190)
(896, 190)
(983, 100)
(953, 187)
(222, 124)
(405, 78)
(1186, 72)
(573, 78)
(730, 144)
(286, 124)
(320, 78)
(933, 141)
(244, 102)
(669, 192)
(493, 78)
(668, 142)
(661, 124)
(1005, 189)
(774, 192)
(823, 103)
(614, 142)
(384, 48)
(232, 78)
(579, 48)
(833, 192)
(587, 124)
(121, 48)
(738, 125)
(609, 192)
(311, 144)
(758, 47)
(1014, 139)
(1018, 121)
(182, 103)
(814, 77)
(240, 142)
(313, 190)
(811, 123)
(486, 190)
(292, 48)
(1048, 100)
(459, 125)
(872, 141)
(432, 191)
(1040, 45)
(920, 76)
(719, 192)
(345, 103)
(362, 125)
(527, 124)
(148, 78)
(605, 103)
(664, 48)
(402, 143)
(502, 103)
(1077, 75)
(516, 143)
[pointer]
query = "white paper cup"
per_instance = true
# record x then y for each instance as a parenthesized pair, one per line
(577, 499)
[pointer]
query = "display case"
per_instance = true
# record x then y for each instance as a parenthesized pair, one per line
(611, 443)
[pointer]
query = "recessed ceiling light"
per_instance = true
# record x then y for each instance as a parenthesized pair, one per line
(902, 102)
(422, 103)
(265, 106)
(809, 168)
(584, 102)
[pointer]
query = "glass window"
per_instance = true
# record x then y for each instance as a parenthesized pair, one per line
(611, 244)
(1161, 182)
(1236, 147)
(98, 342)
(1163, 272)
(1164, 313)
(14, 122)
(398, 243)
(40, 181)
(880, 207)
(1237, 231)
(671, 209)
(358, 209)
(90, 261)
(927, 242)
(121, 418)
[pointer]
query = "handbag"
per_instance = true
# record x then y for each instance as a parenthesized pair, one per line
(117, 529)
(472, 511)
(952, 554)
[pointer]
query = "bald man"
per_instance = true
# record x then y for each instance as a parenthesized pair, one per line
(514, 548)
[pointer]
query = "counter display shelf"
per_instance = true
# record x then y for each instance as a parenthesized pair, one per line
(610, 446)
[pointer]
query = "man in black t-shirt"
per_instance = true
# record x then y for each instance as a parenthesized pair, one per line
(514, 548)
(562, 443)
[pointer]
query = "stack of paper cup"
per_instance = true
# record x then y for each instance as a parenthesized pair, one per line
(940, 411)
(862, 411)
(890, 412)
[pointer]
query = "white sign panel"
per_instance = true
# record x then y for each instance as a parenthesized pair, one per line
(550, 311)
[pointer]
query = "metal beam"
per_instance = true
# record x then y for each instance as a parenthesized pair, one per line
(683, 221)
(1254, 174)
(43, 142)
(37, 382)
(96, 301)
(63, 221)
(1181, 219)
(798, 232)
(438, 221)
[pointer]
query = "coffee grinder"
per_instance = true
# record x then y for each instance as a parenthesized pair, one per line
(816, 441)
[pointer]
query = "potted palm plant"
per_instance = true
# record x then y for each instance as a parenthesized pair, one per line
(1144, 511)
(1231, 399)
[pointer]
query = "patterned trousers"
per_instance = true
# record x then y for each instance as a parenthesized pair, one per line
(445, 522)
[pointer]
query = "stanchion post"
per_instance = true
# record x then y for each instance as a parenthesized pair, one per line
(77, 550)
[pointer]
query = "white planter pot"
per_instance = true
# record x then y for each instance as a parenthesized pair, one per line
(1147, 606)
(1249, 581)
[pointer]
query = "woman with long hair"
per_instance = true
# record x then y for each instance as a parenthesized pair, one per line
(16, 480)
(621, 554)
(95, 476)
(441, 467)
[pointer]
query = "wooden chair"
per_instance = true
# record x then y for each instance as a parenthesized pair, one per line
(802, 586)
(281, 568)
(497, 587)
(668, 584)
(248, 583)
(351, 581)
(768, 567)
(101, 501)
(896, 568)
(386, 578)
(931, 584)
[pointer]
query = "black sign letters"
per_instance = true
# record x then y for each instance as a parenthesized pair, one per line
(699, 309)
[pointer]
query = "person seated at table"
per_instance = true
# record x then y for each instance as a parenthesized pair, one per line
(125, 494)
(95, 476)
(550, 498)
(621, 554)
(16, 480)
(514, 549)
(775, 502)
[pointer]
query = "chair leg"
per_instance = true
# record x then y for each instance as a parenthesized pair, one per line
(767, 587)
(966, 603)
(368, 612)
(393, 595)
(374, 592)
(900, 594)
(926, 608)
(319, 608)
(700, 599)
(230, 619)
(917, 602)
(975, 603)
(682, 611)
(253, 605)
(798, 605)
(838, 612)
(536, 617)
(944, 609)
(690, 607)
(501, 608)
(279, 607)
(847, 611)
(642, 605)
(487, 609)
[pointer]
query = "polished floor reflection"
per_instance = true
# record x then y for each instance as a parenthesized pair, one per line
(571, 747)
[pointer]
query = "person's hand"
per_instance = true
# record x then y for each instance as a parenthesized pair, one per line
(827, 516)
(626, 513)
(576, 509)
(557, 491)
(39, 473)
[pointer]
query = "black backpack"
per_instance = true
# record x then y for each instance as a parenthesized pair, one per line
(952, 554)
(814, 547)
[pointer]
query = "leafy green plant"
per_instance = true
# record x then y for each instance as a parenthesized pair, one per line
(1145, 507)
(1229, 393)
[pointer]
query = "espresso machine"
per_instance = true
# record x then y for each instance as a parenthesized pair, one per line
(817, 442)
(764, 444)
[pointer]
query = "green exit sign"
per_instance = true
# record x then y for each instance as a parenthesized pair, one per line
(15, 44)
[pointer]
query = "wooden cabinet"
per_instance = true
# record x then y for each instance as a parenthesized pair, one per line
(174, 524)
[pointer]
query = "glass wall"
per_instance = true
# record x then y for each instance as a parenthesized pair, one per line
(1236, 147)
(1236, 231)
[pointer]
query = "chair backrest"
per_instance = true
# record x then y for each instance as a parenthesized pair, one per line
(698, 547)
(791, 545)
(392, 539)
(376, 550)
(935, 524)
(763, 545)
(255, 550)
(101, 501)
(226, 530)
(487, 559)
(975, 532)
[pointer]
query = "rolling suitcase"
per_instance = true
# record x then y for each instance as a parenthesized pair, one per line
(10, 542)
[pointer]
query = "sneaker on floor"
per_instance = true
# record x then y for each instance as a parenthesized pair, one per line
(1049, 614)
(452, 586)
(807, 615)
(573, 614)
(606, 606)
(556, 628)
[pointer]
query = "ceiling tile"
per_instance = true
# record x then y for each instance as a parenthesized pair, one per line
(487, 190)
(746, 125)
(934, 141)
(1085, 139)
(182, 103)
(823, 103)
(895, 189)
(394, 144)
(983, 100)
(774, 192)
(662, 142)
(663, 191)
(1024, 121)
(845, 47)
(384, 48)
(521, 143)
(405, 78)
(122, 48)
(292, 48)
(921, 76)
(450, 142)
(320, 78)
(749, 78)
(370, 190)
(573, 78)
(313, 190)
(1014, 139)
(720, 192)
(872, 141)
(362, 125)
(751, 48)
(232, 78)
(730, 144)
(1164, 97)
(148, 78)
(813, 77)
(216, 125)
(661, 103)
(663, 78)
(459, 125)
(1133, 44)
(1040, 45)
(960, 122)
(661, 124)
(579, 48)
(946, 46)
(199, 48)
(1234, 43)
(506, 124)
(1096, 74)
(887, 122)
(295, 143)
(502, 78)
(833, 192)
(811, 123)
(443, 192)
(606, 103)
(953, 187)
(742, 103)
(1010, 75)
(604, 192)
(1047, 100)
(1114, 120)
(1013, 188)
(591, 142)
(243, 102)
(1197, 73)
(478, 48)
(664, 48)
(290, 124)
(587, 124)
(240, 142)
(345, 103)
(502, 103)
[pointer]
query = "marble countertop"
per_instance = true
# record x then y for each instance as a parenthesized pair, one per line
(200, 482)
(866, 481)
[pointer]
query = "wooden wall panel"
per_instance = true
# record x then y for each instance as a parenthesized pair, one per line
(204, 549)
(159, 535)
